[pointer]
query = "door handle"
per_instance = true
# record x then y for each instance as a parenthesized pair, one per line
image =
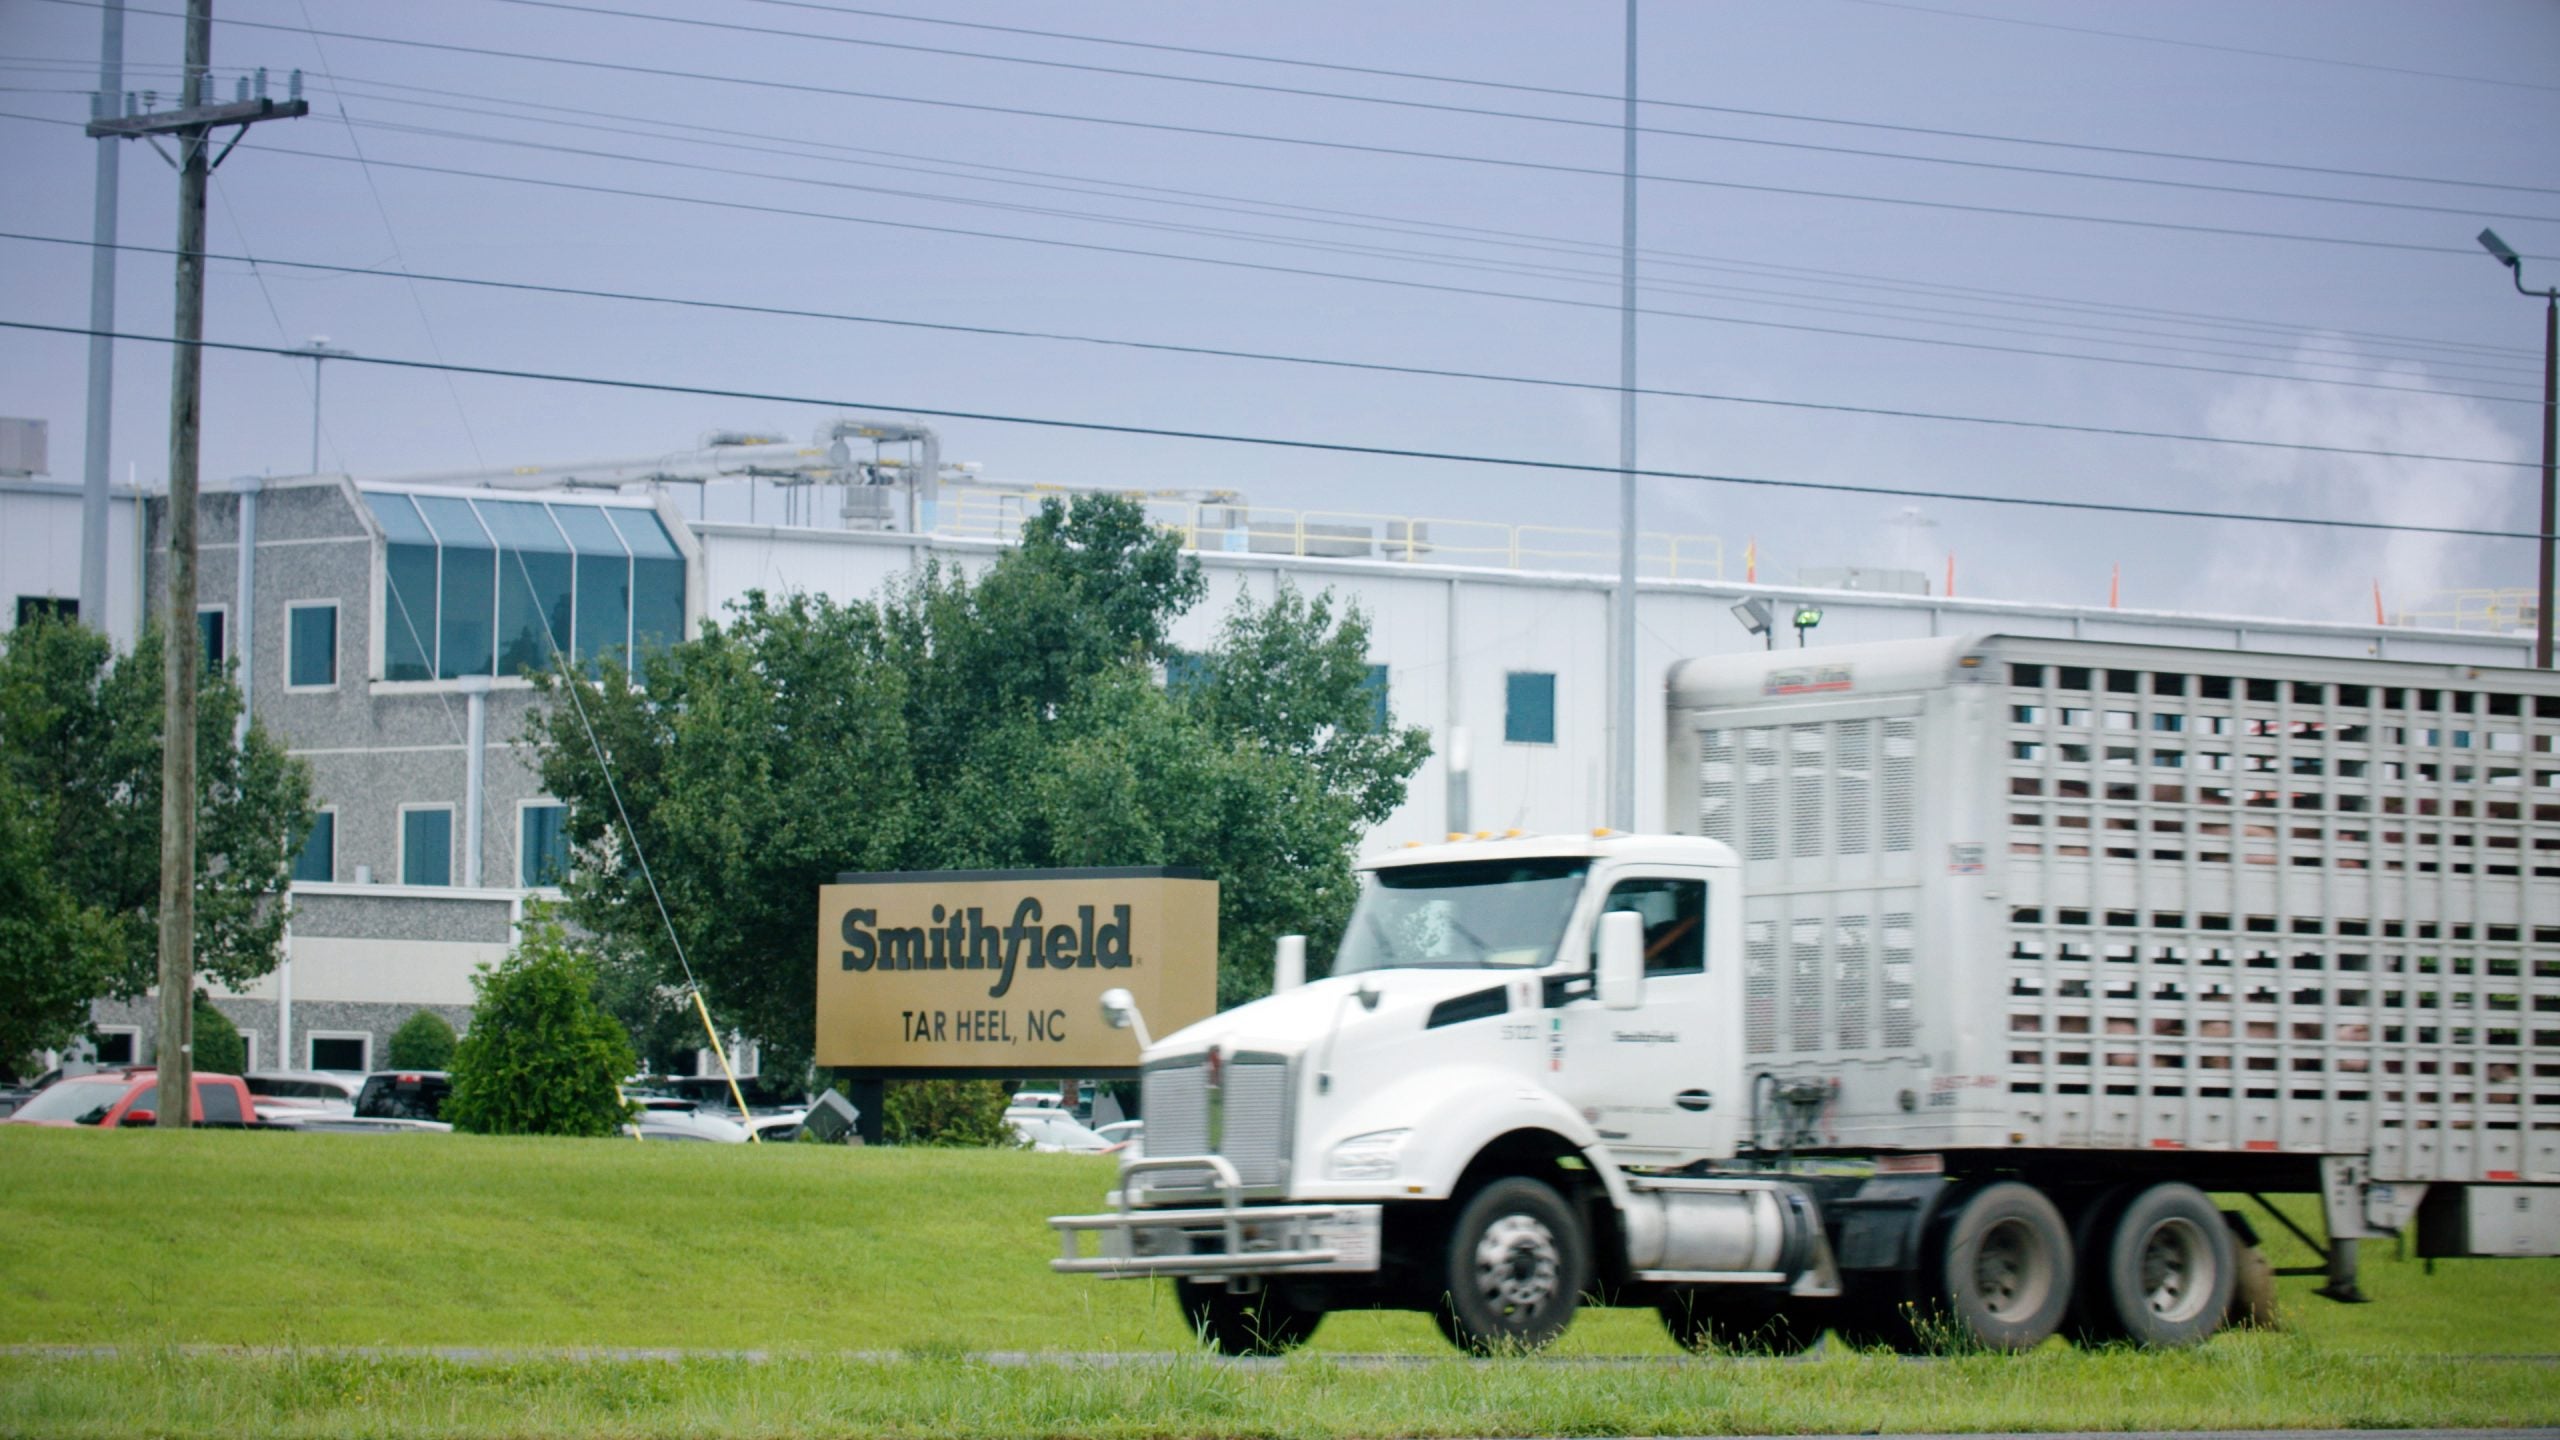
(1695, 1100)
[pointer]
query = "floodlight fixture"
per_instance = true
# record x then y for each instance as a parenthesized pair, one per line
(1807, 616)
(1756, 617)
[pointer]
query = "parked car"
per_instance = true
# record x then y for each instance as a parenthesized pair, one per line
(296, 1094)
(415, 1095)
(1054, 1131)
(109, 1099)
(1123, 1132)
(668, 1117)
(773, 1113)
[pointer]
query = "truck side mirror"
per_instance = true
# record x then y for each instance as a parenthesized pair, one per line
(1288, 964)
(1621, 978)
(1120, 1012)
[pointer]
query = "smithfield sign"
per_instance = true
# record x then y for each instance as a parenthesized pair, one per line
(1002, 971)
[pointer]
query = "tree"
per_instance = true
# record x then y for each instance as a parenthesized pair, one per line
(423, 1042)
(1011, 719)
(944, 1112)
(56, 953)
(219, 1050)
(80, 731)
(543, 1057)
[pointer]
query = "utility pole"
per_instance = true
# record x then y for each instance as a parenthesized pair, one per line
(1622, 761)
(102, 322)
(192, 126)
(320, 354)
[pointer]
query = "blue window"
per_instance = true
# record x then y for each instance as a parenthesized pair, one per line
(1529, 708)
(311, 645)
(426, 845)
(318, 861)
(1376, 684)
(542, 850)
(409, 566)
(491, 586)
(466, 590)
(1185, 671)
(535, 582)
(209, 629)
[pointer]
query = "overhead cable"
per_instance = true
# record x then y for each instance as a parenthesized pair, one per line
(1334, 447)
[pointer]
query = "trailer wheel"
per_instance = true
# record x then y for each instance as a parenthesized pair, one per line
(1514, 1269)
(1703, 1320)
(1261, 1323)
(2004, 1273)
(2164, 1270)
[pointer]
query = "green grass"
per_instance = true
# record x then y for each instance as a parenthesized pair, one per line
(160, 1243)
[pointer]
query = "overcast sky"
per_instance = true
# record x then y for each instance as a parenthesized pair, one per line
(868, 163)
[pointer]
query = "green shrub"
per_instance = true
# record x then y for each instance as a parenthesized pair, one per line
(219, 1048)
(423, 1042)
(944, 1112)
(543, 1056)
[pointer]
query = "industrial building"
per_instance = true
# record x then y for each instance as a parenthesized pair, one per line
(379, 628)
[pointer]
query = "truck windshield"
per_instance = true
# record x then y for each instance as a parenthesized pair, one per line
(1477, 915)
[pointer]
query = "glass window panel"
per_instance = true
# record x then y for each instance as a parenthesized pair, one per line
(408, 589)
(543, 855)
(1375, 682)
(209, 628)
(318, 861)
(466, 630)
(426, 846)
(534, 583)
(1529, 709)
(1185, 671)
(312, 645)
(657, 581)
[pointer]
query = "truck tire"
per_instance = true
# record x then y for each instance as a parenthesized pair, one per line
(1261, 1323)
(2003, 1280)
(2159, 1270)
(1711, 1319)
(1514, 1268)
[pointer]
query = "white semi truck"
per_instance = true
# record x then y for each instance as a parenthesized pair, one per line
(1978, 967)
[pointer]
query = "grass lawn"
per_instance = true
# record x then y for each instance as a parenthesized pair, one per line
(152, 1242)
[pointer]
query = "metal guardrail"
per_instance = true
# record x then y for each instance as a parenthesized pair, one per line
(1222, 526)
(2497, 610)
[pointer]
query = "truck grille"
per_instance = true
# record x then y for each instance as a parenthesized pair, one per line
(1175, 1101)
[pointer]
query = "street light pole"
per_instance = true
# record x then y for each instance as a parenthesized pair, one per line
(2550, 298)
(318, 351)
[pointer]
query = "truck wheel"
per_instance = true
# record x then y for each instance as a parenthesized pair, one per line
(1261, 1323)
(1707, 1322)
(2004, 1280)
(1514, 1268)
(2165, 1269)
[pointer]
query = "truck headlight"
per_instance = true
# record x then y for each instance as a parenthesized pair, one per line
(1367, 1157)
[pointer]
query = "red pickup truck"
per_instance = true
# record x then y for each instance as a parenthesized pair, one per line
(112, 1098)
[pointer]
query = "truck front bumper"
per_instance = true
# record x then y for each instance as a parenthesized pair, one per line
(1230, 1238)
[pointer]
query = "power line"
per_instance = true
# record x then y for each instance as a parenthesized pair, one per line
(1334, 447)
(1346, 146)
(2291, 348)
(1267, 357)
(1265, 267)
(1410, 225)
(1482, 112)
(1436, 78)
(1793, 301)
(2202, 45)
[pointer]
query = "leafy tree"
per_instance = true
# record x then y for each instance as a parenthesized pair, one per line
(424, 1041)
(543, 1057)
(56, 953)
(1008, 719)
(219, 1050)
(80, 732)
(944, 1112)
